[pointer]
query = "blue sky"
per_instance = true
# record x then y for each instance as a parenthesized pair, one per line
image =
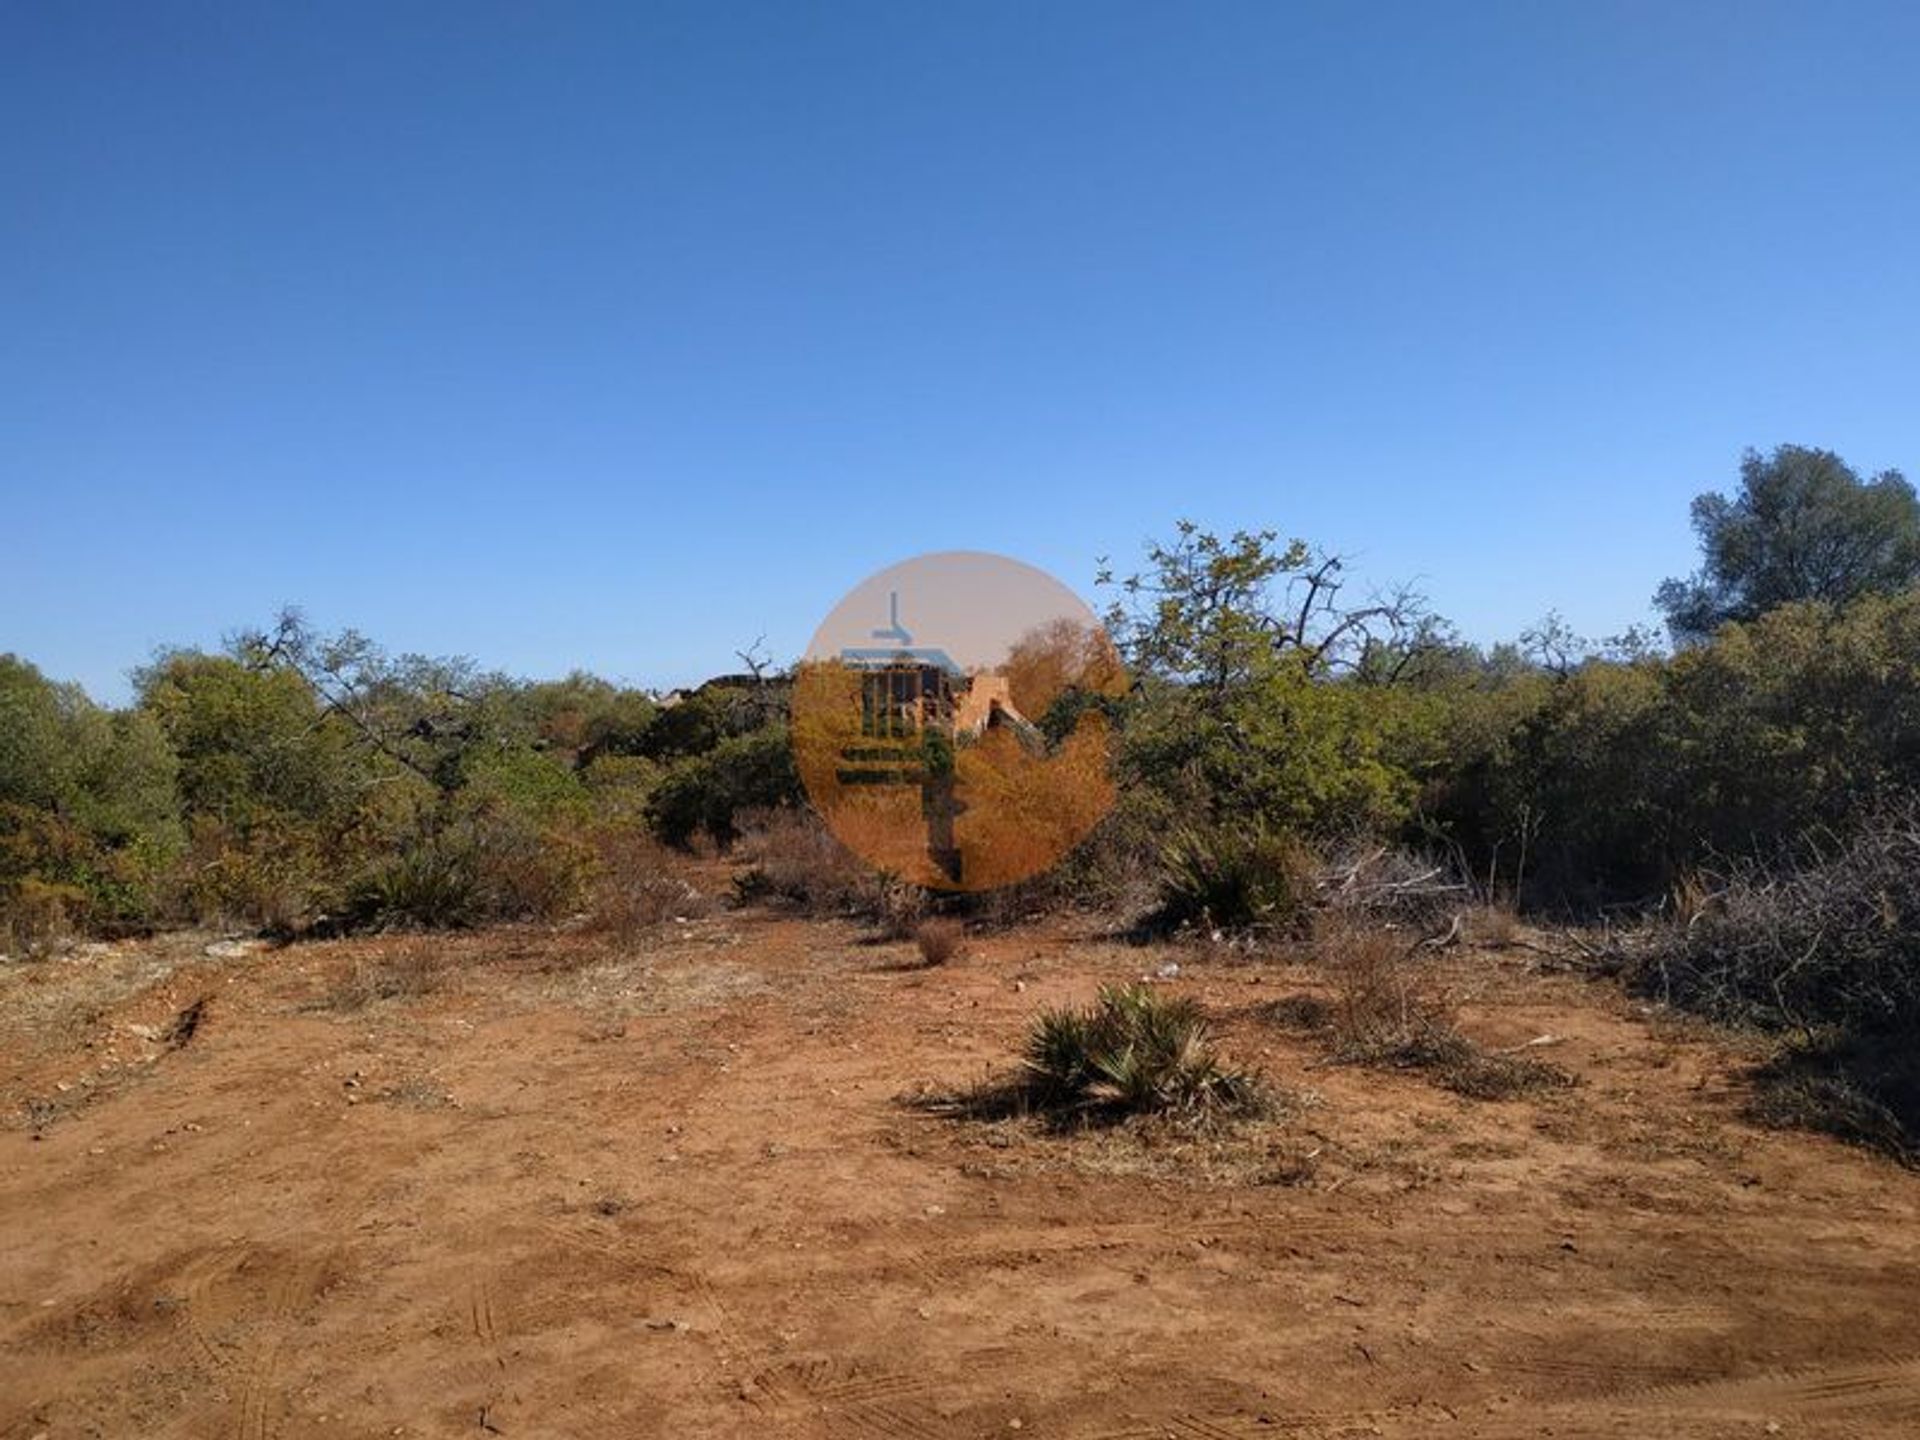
(616, 335)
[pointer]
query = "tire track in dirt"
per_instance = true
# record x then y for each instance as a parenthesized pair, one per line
(291, 1289)
(1574, 1377)
(1239, 1424)
(200, 1303)
(848, 1398)
(1864, 1390)
(480, 1315)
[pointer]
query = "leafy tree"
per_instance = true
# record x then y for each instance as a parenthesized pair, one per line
(1213, 613)
(89, 812)
(1263, 698)
(110, 774)
(251, 741)
(1803, 527)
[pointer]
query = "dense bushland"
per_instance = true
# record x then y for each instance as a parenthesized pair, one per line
(1273, 722)
(295, 780)
(291, 778)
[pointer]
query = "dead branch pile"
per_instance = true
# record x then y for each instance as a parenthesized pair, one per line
(1393, 885)
(1832, 939)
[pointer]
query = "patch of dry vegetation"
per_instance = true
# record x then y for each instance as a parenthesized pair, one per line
(940, 940)
(792, 859)
(1388, 1012)
(1826, 952)
(405, 971)
(639, 884)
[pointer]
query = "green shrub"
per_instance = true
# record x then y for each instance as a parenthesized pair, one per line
(709, 793)
(1236, 879)
(430, 886)
(491, 866)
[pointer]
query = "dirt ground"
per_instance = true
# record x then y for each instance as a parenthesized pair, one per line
(518, 1183)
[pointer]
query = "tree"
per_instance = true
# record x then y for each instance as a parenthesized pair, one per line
(252, 744)
(1215, 613)
(1264, 698)
(1803, 527)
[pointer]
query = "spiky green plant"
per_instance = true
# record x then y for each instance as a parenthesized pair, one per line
(1134, 1050)
(1252, 879)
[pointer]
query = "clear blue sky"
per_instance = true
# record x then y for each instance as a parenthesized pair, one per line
(616, 335)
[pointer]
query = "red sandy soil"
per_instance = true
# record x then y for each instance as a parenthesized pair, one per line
(674, 1187)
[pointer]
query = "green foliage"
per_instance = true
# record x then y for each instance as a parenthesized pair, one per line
(1236, 879)
(1134, 1051)
(488, 866)
(88, 804)
(1620, 777)
(1803, 527)
(434, 886)
(707, 794)
(700, 722)
(584, 717)
(1281, 753)
(252, 743)
(524, 781)
(1201, 612)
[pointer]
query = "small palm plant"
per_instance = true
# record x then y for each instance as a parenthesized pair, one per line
(1134, 1051)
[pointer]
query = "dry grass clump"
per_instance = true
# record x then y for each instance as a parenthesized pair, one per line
(939, 940)
(639, 884)
(1494, 924)
(37, 916)
(1863, 1091)
(792, 858)
(1388, 1012)
(402, 972)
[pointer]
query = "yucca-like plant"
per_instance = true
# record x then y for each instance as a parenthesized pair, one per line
(1133, 1050)
(1253, 879)
(1059, 1056)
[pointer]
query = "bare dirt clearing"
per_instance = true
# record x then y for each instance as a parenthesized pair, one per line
(515, 1183)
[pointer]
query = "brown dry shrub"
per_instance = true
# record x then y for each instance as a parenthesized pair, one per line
(1495, 925)
(541, 875)
(1865, 1093)
(37, 915)
(791, 857)
(1389, 1012)
(399, 972)
(638, 884)
(939, 940)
